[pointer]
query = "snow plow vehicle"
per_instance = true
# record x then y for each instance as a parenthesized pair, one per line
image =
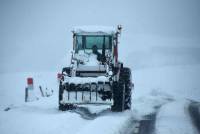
(95, 76)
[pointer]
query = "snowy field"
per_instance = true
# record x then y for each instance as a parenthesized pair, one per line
(159, 42)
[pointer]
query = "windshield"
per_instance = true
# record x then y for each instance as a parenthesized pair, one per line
(88, 41)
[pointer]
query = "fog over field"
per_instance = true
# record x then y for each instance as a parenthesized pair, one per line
(36, 35)
(160, 43)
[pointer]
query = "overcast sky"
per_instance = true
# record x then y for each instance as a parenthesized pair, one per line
(35, 35)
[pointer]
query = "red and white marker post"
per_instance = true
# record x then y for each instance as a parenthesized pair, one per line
(30, 83)
(29, 93)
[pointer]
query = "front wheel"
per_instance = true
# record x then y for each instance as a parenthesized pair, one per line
(63, 106)
(60, 97)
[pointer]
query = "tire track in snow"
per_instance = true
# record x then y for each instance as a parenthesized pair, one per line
(132, 127)
(147, 126)
(194, 111)
(144, 126)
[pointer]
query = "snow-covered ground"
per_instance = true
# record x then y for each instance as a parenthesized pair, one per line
(13, 85)
(159, 42)
(169, 87)
(181, 81)
(173, 118)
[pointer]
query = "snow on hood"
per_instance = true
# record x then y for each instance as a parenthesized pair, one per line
(94, 29)
(88, 59)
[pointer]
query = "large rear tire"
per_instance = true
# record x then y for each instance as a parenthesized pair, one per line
(128, 103)
(126, 72)
(118, 97)
(122, 91)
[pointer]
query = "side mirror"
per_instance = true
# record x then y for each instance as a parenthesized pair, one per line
(119, 29)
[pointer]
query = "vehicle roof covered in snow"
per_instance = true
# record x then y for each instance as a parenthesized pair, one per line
(85, 30)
